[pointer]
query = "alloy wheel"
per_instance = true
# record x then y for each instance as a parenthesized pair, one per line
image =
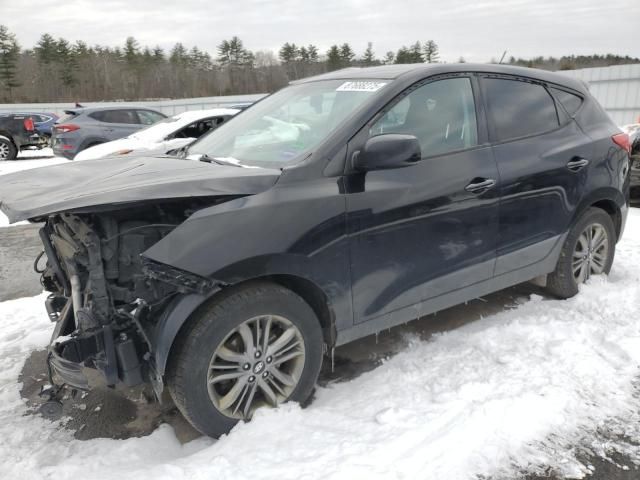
(590, 253)
(258, 363)
(4, 151)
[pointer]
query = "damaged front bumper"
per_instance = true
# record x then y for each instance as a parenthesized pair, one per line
(71, 358)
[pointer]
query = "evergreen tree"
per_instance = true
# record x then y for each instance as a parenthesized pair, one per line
(9, 52)
(232, 52)
(403, 55)
(369, 57)
(158, 55)
(131, 51)
(334, 59)
(288, 53)
(389, 58)
(178, 55)
(312, 52)
(415, 53)
(431, 53)
(346, 54)
(67, 61)
(46, 49)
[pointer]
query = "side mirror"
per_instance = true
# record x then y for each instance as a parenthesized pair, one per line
(391, 150)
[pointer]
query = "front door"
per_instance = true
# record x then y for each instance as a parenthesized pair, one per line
(428, 229)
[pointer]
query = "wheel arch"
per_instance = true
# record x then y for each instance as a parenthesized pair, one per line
(7, 134)
(611, 201)
(177, 315)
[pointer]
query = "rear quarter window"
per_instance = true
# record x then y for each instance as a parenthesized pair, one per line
(518, 108)
(570, 101)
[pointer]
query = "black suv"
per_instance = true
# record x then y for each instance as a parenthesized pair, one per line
(339, 206)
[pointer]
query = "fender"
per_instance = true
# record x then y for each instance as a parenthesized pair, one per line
(296, 230)
(295, 268)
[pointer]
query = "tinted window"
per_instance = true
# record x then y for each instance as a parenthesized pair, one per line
(115, 116)
(440, 114)
(519, 108)
(148, 117)
(199, 128)
(569, 101)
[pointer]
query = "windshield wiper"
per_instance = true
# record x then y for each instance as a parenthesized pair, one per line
(206, 158)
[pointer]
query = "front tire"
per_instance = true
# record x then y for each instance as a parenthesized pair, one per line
(588, 250)
(259, 345)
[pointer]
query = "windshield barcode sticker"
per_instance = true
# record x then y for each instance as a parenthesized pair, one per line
(360, 86)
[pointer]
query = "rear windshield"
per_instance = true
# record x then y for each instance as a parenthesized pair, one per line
(67, 117)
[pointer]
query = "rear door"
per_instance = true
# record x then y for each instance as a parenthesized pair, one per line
(422, 231)
(543, 160)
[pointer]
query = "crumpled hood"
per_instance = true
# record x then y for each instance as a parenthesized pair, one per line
(43, 191)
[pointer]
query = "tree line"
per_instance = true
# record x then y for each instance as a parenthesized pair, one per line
(57, 70)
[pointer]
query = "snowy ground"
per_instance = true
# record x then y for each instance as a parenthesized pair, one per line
(534, 388)
(26, 160)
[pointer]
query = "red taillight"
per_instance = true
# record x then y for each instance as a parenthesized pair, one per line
(622, 140)
(66, 128)
(28, 124)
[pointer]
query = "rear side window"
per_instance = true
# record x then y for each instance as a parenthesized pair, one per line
(519, 109)
(115, 116)
(569, 101)
(147, 117)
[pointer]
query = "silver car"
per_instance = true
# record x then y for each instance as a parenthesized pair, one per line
(85, 127)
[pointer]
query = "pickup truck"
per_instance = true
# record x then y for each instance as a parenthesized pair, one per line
(17, 132)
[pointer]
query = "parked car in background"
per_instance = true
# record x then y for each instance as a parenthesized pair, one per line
(163, 137)
(44, 122)
(633, 130)
(17, 132)
(85, 127)
(342, 205)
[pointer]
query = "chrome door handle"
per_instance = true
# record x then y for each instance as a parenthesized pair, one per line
(480, 186)
(577, 164)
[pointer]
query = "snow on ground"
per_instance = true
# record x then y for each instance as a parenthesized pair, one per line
(28, 159)
(530, 387)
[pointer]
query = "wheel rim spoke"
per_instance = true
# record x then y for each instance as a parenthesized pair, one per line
(283, 378)
(247, 406)
(281, 342)
(230, 356)
(226, 376)
(267, 333)
(247, 338)
(232, 396)
(287, 357)
(269, 394)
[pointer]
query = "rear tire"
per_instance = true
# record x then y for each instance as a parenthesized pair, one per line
(588, 250)
(8, 150)
(223, 366)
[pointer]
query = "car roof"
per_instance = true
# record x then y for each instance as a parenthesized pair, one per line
(392, 72)
(81, 110)
(212, 112)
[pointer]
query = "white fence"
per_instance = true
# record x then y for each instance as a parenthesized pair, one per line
(617, 88)
(168, 107)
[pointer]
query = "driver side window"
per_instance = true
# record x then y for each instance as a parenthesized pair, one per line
(440, 114)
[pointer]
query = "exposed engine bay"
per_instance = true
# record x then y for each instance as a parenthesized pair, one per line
(105, 296)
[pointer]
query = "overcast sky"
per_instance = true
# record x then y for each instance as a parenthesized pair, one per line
(475, 29)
